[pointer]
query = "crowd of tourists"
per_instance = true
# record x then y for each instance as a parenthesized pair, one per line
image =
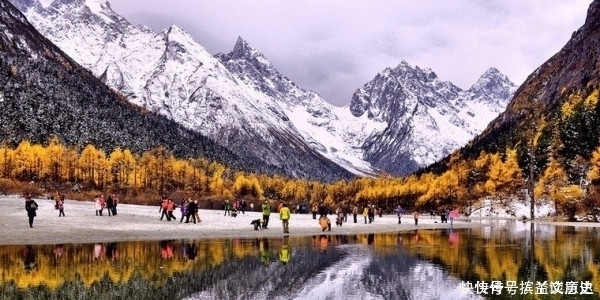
(189, 211)
(110, 204)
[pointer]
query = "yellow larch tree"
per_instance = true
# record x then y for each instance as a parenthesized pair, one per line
(23, 157)
(593, 175)
(56, 158)
(552, 181)
(7, 160)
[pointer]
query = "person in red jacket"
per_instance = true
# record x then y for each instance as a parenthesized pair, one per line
(171, 205)
(163, 208)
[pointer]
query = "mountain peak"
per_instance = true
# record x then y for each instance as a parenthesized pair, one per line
(494, 84)
(243, 49)
(174, 29)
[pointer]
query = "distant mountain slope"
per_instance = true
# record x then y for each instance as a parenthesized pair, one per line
(44, 93)
(241, 101)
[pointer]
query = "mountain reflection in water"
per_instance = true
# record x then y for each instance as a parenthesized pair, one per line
(424, 264)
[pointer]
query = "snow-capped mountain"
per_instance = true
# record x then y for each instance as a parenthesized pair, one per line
(405, 118)
(424, 118)
(331, 130)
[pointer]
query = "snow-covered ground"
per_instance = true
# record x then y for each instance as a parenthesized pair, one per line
(139, 222)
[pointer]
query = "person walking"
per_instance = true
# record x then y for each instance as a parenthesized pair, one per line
(171, 205)
(183, 209)
(399, 212)
(266, 212)
(30, 206)
(416, 216)
(61, 206)
(192, 208)
(284, 215)
(163, 208)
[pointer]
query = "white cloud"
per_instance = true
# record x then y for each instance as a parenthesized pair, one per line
(334, 47)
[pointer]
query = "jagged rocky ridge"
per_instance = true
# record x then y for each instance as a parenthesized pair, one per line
(425, 118)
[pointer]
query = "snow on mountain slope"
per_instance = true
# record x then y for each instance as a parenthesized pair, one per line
(426, 118)
(326, 128)
(404, 119)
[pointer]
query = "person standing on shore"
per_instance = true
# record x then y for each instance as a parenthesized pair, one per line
(453, 214)
(399, 212)
(354, 212)
(61, 206)
(227, 208)
(284, 215)
(116, 200)
(366, 213)
(196, 207)
(244, 206)
(109, 205)
(314, 211)
(30, 206)
(266, 212)
(98, 203)
(183, 208)
(416, 216)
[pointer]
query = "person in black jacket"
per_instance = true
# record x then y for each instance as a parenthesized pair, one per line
(30, 206)
(192, 209)
(110, 205)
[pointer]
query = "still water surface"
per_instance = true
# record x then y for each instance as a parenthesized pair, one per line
(423, 264)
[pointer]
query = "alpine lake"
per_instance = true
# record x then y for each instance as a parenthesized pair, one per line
(506, 260)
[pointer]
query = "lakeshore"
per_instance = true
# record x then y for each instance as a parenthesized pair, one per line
(142, 223)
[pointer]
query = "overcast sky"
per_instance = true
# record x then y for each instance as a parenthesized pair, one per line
(334, 47)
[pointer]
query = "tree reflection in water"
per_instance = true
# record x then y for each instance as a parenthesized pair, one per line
(406, 265)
